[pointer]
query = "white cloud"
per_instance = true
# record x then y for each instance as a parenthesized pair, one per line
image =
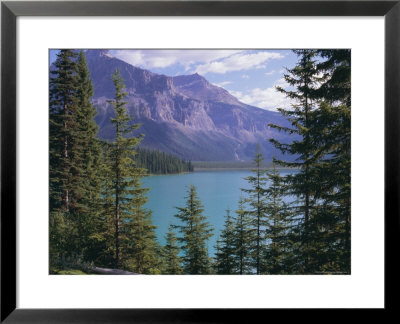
(163, 58)
(238, 62)
(270, 72)
(282, 83)
(222, 84)
(245, 76)
(237, 94)
(268, 98)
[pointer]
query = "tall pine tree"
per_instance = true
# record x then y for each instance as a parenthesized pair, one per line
(133, 230)
(304, 79)
(278, 226)
(64, 240)
(225, 257)
(195, 231)
(333, 135)
(320, 117)
(88, 163)
(243, 239)
(256, 209)
(171, 253)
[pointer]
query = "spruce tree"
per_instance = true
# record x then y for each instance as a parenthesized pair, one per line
(62, 128)
(133, 230)
(75, 159)
(302, 184)
(333, 135)
(195, 232)
(320, 118)
(225, 256)
(243, 239)
(278, 227)
(106, 227)
(63, 106)
(256, 209)
(88, 163)
(171, 253)
(139, 243)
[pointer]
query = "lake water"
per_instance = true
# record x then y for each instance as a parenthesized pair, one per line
(217, 190)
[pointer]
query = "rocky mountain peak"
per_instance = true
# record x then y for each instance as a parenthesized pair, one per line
(98, 53)
(183, 115)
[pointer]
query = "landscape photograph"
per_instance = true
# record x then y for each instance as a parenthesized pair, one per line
(199, 161)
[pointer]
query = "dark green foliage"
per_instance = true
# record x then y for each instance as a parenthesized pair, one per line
(278, 233)
(256, 209)
(157, 162)
(63, 101)
(171, 253)
(225, 256)
(89, 162)
(243, 239)
(195, 232)
(71, 183)
(96, 198)
(334, 128)
(302, 184)
(134, 237)
(320, 117)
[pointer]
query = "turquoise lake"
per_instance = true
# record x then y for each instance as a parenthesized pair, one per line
(217, 190)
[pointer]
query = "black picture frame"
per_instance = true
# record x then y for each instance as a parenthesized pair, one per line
(10, 10)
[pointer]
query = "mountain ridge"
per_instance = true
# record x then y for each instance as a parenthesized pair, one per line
(183, 115)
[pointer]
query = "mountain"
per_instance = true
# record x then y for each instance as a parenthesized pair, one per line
(183, 115)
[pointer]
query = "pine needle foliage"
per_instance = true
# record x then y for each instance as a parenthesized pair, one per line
(320, 119)
(134, 236)
(171, 253)
(256, 209)
(225, 256)
(195, 232)
(243, 239)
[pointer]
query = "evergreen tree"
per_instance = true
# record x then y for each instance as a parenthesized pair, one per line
(106, 227)
(225, 256)
(157, 162)
(63, 104)
(171, 253)
(75, 159)
(333, 135)
(243, 239)
(133, 234)
(195, 232)
(88, 164)
(256, 211)
(278, 229)
(62, 124)
(140, 246)
(303, 77)
(321, 119)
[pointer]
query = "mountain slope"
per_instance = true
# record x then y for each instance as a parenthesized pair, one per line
(184, 115)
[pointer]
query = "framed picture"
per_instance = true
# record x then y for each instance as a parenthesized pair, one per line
(179, 47)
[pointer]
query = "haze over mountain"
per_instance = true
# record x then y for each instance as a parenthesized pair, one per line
(183, 115)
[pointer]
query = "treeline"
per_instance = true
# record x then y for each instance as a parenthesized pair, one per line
(233, 165)
(97, 212)
(157, 162)
(300, 223)
(96, 199)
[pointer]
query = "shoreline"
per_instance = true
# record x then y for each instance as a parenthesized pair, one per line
(217, 169)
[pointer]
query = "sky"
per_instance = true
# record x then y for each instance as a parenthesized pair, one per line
(249, 75)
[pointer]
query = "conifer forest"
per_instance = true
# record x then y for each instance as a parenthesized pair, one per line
(284, 223)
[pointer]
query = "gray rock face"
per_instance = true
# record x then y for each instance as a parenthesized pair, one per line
(184, 115)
